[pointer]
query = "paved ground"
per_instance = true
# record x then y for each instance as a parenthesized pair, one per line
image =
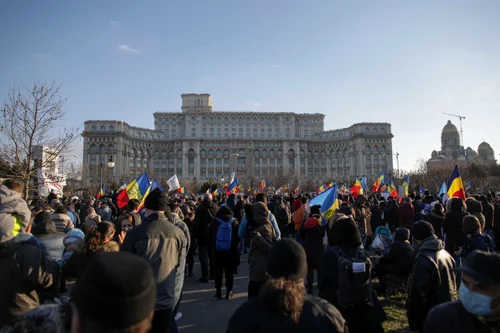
(201, 312)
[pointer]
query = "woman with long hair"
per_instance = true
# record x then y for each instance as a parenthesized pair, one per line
(282, 305)
(98, 239)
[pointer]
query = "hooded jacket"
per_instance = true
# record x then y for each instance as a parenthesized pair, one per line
(160, 243)
(62, 222)
(453, 225)
(179, 276)
(433, 281)
(24, 273)
(204, 215)
(489, 215)
(400, 255)
(260, 246)
(50, 239)
(15, 215)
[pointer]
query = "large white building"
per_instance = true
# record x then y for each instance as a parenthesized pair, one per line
(201, 143)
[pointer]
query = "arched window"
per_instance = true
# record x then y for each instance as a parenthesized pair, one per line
(111, 128)
(103, 128)
(375, 131)
(367, 130)
(241, 152)
(382, 130)
(198, 103)
(94, 128)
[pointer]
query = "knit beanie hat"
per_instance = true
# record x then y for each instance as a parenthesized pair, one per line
(344, 232)
(422, 230)
(116, 290)
(156, 200)
(287, 259)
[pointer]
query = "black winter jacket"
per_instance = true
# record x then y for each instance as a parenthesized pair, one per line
(399, 258)
(204, 215)
(369, 318)
(453, 225)
(317, 316)
(452, 317)
(433, 281)
(489, 215)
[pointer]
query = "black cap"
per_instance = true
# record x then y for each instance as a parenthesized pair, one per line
(116, 290)
(482, 266)
(156, 200)
(288, 260)
(422, 230)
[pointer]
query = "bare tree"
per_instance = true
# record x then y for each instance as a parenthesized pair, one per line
(31, 117)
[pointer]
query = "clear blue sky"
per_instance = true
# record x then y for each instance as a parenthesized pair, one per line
(403, 62)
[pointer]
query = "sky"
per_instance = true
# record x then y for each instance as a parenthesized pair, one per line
(402, 62)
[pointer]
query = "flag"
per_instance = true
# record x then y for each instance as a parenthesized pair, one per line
(363, 182)
(456, 186)
(100, 193)
(297, 190)
(443, 189)
(357, 189)
(383, 189)
(393, 192)
(216, 192)
(262, 184)
(329, 185)
(209, 190)
(135, 190)
(321, 189)
(379, 182)
(233, 185)
(155, 184)
(343, 189)
(181, 190)
(283, 188)
(123, 187)
(239, 188)
(422, 190)
(406, 184)
(173, 183)
(330, 205)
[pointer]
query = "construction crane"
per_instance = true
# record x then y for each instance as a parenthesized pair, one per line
(461, 129)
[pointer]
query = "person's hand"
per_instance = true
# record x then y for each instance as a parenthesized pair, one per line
(121, 237)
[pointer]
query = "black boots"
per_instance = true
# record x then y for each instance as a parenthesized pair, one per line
(229, 294)
(218, 295)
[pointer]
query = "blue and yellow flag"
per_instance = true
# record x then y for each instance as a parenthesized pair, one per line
(406, 184)
(331, 204)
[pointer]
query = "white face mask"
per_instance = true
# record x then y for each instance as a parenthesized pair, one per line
(475, 303)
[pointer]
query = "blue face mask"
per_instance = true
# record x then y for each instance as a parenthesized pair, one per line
(475, 303)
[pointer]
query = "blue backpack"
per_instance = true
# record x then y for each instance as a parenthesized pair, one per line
(224, 235)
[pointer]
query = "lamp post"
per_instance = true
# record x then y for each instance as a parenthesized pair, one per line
(231, 165)
(397, 162)
(110, 165)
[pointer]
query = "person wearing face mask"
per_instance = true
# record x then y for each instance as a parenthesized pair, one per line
(478, 309)
(433, 279)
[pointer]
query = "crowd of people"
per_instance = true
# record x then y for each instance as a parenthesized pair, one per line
(64, 262)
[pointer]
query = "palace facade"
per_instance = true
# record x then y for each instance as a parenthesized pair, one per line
(201, 143)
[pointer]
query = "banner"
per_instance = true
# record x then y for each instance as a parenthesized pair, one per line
(48, 181)
(173, 183)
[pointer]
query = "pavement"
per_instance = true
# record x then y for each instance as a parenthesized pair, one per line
(201, 313)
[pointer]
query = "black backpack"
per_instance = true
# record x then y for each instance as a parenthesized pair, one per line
(354, 290)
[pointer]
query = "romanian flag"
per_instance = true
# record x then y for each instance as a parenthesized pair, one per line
(239, 188)
(321, 189)
(379, 182)
(224, 188)
(297, 190)
(330, 185)
(100, 193)
(182, 190)
(406, 184)
(262, 184)
(383, 189)
(456, 186)
(393, 192)
(343, 189)
(284, 188)
(330, 205)
(357, 189)
(135, 190)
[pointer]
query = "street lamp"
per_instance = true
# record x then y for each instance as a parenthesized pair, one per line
(110, 164)
(397, 162)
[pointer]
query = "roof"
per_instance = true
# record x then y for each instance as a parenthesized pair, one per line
(449, 128)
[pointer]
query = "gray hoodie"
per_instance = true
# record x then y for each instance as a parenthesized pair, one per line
(15, 216)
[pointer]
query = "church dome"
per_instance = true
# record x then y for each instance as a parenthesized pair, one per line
(449, 128)
(484, 146)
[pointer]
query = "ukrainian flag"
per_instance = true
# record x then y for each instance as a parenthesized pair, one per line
(456, 186)
(330, 205)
